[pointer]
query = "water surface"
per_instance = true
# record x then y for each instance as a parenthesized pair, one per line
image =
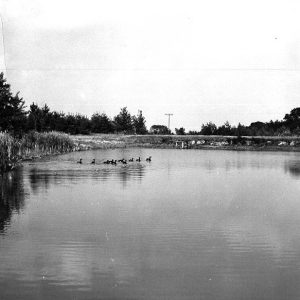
(191, 224)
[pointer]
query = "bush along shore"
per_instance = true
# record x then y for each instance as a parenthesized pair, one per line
(30, 146)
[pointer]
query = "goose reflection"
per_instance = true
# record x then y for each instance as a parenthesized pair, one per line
(41, 178)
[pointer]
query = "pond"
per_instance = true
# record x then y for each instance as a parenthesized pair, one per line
(190, 224)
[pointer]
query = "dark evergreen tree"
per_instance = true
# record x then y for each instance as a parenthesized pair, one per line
(209, 129)
(45, 118)
(58, 121)
(83, 125)
(32, 120)
(123, 121)
(194, 132)
(180, 131)
(12, 113)
(100, 123)
(292, 120)
(224, 129)
(139, 123)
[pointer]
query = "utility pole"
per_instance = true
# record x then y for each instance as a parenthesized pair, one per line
(169, 115)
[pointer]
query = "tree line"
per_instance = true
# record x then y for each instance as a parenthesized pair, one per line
(42, 119)
(289, 126)
(16, 119)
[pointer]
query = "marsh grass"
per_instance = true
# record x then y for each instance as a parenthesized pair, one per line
(9, 151)
(12, 150)
(46, 143)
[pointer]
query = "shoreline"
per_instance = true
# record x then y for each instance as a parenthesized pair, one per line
(228, 143)
(216, 143)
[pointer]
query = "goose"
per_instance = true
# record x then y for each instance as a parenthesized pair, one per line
(131, 159)
(93, 161)
(80, 161)
(148, 159)
(139, 159)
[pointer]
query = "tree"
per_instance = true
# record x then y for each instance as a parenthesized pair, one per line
(139, 123)
(123, 121)
(82, 124)
(32, 119)
(296, 131)
(39, 119)
(283, 131)
(100, 123)
(46, 116)
(58, 121)
(258, 128)
(241, 130)
(292, 120)
(160, 129)
(208, 129)
(180, 131)
(194, 132)
(12, 113)
(225, 129)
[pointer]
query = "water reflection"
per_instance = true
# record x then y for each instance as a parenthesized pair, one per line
(190, 225)
(41, 178)
(232, 161)
(237, 161)
(11, 196)
(38, 180)
(292, 167)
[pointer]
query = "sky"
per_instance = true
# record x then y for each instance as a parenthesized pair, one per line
(216, 60)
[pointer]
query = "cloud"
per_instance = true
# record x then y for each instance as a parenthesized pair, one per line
(70, 14)
(135, 52)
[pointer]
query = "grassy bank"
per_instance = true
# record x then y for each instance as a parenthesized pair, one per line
(105, 141)
(31, 145)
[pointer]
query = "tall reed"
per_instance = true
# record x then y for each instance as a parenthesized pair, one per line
(31, 144)
(9, 151)
(46, 143)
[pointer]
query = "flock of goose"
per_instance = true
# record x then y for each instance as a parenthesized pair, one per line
(114, 161)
